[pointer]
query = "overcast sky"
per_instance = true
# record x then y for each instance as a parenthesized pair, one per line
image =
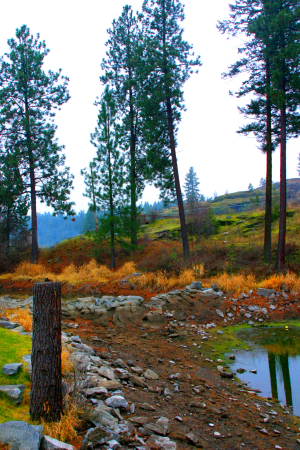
(75, 33)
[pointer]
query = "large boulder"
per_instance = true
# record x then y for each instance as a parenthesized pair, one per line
(14, 392)
(21, 436)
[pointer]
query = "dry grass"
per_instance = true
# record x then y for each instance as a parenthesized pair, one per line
(161, 281)
(65, 429)
(88, 273)
(290, 280)
(241, 283)
(22, 316)
(235, 283)
(66, 362)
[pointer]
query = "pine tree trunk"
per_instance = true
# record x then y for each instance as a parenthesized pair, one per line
(46, 393)
(185, 241)
(34, 235)
(133, 209)
(268, 206)
(282, 219)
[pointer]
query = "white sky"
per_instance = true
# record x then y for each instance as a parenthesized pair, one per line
(75, 33)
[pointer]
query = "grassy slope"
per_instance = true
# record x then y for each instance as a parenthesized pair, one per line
(13, 347)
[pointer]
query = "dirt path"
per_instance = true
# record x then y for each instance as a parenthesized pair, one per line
(215, 413)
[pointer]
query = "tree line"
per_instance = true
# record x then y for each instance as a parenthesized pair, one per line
(146, 65)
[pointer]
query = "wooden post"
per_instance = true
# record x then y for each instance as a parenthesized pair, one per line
(46, 393)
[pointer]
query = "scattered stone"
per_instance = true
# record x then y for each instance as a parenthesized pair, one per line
(192, 438)
(11, 369)
(20, 435)
(14, 392)
(161, 442)
(8, 325)
(116, 401)
(265, 292)
(232, 357)
(150, 375)
(138, 381)
(99, 390)
(219, 313)
(49, 443)
(110, 385)
(147, 407)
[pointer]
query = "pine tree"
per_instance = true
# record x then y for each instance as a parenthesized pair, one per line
(90, 179)
(28, 99)
(14, 203)
(258, 19)
(109, 179)
(170, 63)
(192, 192)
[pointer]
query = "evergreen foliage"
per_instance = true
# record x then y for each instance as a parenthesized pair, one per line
(191, 189)
(28, 99)
(169, 63)
(109, 185)
(271, 58)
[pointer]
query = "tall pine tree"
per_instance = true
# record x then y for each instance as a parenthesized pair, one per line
(191, 189)
(28, 99)
(170, 62)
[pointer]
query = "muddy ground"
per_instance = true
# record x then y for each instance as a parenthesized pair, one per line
(207, 411)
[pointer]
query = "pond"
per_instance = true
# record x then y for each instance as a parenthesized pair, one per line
(274, 357)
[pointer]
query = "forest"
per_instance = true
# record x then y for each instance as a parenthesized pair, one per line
(143, 74)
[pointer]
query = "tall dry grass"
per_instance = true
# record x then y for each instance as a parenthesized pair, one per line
(65, 429)
(22, 316)
(88, 273)
(241, 283)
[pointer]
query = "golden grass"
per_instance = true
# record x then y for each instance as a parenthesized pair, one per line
(235, 283)
(66, 361)
(21, 316)
(88, 273)
(161, 281)
(291, 280)
(241, 283)
(65, 429)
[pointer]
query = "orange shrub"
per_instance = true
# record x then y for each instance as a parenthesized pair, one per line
(22, 317)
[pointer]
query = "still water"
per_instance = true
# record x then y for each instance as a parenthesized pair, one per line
(275, 354)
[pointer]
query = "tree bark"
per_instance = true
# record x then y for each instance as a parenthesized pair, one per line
(282, 219)
(34, 235)
(46, 392)
(268, 206)
(185, 241)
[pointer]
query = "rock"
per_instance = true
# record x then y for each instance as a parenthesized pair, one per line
(85, 348)
(150, 375)
(265, 292)
(106, 373)
(49, 443)
(219, 313)
(14, 392)
(136, 420)
(103, 418)
(99, 390)
(27, 359)
(196, 285)
(8, 325)
(20, 435)
(110, 385)
(192, 438)
(148, 407)
(138, 381)
(116, 401)
(19, 329)
(12, 369)
(161, 442)
(95, 436)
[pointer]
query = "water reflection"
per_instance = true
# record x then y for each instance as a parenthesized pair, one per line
(275, 354)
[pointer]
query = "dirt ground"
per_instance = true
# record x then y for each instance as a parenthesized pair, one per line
(220, 413)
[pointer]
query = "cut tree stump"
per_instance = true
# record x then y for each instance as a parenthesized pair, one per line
(46, 391)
